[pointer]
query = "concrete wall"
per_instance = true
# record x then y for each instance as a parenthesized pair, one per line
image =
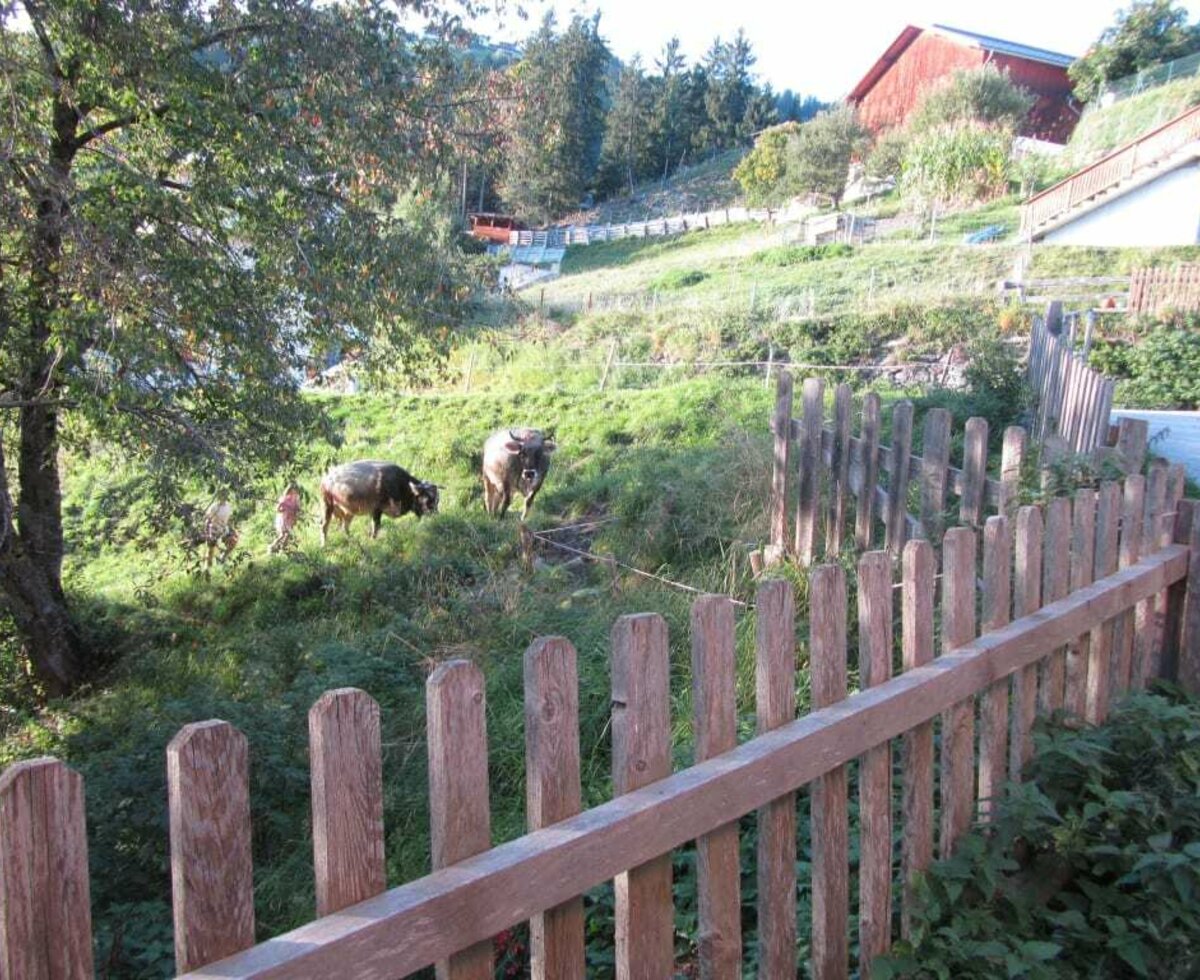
(1163, 212)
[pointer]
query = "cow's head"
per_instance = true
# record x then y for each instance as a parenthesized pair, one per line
(425, 497)
(533, 456)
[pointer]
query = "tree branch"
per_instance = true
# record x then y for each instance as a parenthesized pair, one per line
(83, 139)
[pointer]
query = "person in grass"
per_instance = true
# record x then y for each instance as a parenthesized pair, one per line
(287, 512)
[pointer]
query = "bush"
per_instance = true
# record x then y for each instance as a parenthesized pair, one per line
(983, 95)
(819, 153)
(1089, 869)
(761, 171)
(1159, 370)
(784, 255)
(958, 162)
(886, 158)
(679, 279)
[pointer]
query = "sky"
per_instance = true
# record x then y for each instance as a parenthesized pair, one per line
(821, 48)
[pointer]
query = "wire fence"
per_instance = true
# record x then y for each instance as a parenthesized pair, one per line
(1148, 78)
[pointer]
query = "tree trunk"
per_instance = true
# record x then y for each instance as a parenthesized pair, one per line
(31, 534)
(31, 568)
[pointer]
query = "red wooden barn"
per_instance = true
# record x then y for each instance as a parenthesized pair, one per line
(921, 56)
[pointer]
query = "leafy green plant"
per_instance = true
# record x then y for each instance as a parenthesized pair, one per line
(785, 255)
(1090, 869)
(679, 279)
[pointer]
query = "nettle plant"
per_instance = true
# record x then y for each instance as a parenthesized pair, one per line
(1091, 868)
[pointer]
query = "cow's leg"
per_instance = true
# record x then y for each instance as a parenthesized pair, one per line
(505, 500)
(528, 502)
(376, 518)
(325, 523)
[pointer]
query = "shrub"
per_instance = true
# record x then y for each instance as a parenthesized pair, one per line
(679, 279)
(1160, 370)
(886, 158)
(984, 95)
(1089, 869)
(818, 157)
(785, 255)
(761, 171)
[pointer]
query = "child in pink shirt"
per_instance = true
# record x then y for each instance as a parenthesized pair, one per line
(287, 512)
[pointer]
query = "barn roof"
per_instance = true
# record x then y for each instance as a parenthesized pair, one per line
(994, 44)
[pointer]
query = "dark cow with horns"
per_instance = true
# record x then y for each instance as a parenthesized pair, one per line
(514, 461)
(369, 486)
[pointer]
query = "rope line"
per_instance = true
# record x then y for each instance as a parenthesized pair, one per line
(608, 560)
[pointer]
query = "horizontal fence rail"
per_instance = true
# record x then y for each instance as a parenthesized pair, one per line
(1072, 645)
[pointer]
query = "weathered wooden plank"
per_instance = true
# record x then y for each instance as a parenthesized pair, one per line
(975, 440)
(1147, 647)
(1132, 438)
(875, 768)
(808, 504)
(775, 705)
(718, 872)
(1056, 583)
(935, 456)
(412, 925)
(993, 704)
(1102, 637)
(1170, 604)
(864, 518)
(897, 528)
(919, 569)
(1131, 543)
(1027, 598)
(1012, 460)
(1083, 561)
(839, 470)
(347, 798)
(641, 725)
(45, 908)
(552, 793)
(830, 809)
(958, 722)
(1188, 673)
(212, 880)
(781, 423)
(460, 823)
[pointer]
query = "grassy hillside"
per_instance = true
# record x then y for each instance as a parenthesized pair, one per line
(1104, 128)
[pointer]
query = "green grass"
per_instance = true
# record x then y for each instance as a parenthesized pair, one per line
(1102, 129)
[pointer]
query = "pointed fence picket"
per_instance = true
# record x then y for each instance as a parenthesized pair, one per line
(1070, 656)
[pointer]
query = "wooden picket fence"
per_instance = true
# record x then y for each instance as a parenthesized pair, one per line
(1073, 401)
(1066, 609)
(1158, 290)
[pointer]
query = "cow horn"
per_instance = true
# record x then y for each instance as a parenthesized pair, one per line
(513, 436)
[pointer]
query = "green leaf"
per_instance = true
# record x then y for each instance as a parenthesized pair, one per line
(1041, 950)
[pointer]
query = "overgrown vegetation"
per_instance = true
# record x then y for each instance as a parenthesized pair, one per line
(1158, 365)
(1090, 869)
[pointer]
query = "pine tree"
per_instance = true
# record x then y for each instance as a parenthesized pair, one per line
(670, 122)
(629, 138)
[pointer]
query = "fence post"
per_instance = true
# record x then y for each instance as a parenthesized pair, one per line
(1132, 439)
(830, 813)
(1188, 670)
(864, 518)
(775, 705)
(958, 722)
(1101, 640)
(875, 768)
(212, 882)
(459, 819)
(1056, 584)
(917, 843)
(714, 701)
(935, 458)
(839, 470)
(608, 363)
(975, 439)
(1131, 551)
(347, 799)
(993, 704)
(552, 793)
(770, 364)
(897, 516)
(1147, 648)
(1083, 561)
(45, 907)
(1027, 599)
(1012, 460)
(641, 754)
(781, 427)
(811, 463)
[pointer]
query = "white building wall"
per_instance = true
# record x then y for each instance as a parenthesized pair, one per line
(1163, 212)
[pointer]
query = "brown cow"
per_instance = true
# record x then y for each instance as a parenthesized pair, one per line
(372, 487)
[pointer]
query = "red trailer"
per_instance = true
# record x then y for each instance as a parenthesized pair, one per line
(493, 227)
